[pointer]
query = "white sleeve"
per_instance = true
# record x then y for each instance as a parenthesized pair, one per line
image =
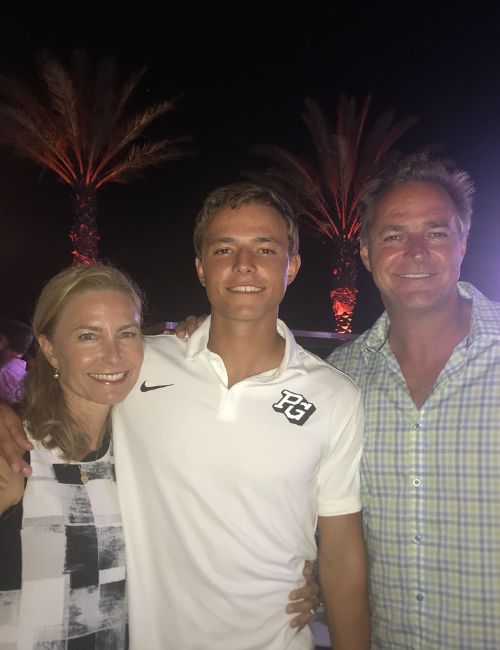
(338, 477)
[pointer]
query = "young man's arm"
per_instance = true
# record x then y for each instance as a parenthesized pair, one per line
(342, 567)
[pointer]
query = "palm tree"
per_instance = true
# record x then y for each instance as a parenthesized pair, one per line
(326, 193)
(78, 128)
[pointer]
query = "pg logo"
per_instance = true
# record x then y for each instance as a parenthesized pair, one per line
(295, 407)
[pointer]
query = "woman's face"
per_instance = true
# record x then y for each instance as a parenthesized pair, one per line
(97, 348)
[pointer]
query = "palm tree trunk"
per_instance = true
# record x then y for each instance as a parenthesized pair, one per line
(344, 291)
(83, 234)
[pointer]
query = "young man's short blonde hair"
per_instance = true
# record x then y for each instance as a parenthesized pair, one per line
(236, 195)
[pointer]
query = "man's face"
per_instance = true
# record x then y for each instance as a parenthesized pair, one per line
(414, 248)
(245, 264)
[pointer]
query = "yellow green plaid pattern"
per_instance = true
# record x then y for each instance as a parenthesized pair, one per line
(431, 490)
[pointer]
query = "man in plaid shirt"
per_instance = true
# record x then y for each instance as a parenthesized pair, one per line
(429, 371)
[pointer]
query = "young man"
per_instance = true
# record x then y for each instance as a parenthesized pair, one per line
(429, 371)
(227, 450)
(247, 438)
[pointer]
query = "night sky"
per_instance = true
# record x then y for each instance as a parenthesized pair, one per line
(241, 77)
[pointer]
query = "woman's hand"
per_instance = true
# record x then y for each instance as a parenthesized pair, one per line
(304, 601)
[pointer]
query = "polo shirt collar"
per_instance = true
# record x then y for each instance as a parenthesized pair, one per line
(198, 341)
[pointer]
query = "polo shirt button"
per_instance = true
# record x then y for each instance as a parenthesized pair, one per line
(418, 539)
(420, 597)
(417, 426)
(416, 482)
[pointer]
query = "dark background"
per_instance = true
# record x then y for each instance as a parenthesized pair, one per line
(242, 74)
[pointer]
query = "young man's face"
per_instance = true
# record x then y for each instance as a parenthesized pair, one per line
(245, 265)
(414, 247)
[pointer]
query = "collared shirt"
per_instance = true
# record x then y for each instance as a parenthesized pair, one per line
(220, 488)
(431, 489)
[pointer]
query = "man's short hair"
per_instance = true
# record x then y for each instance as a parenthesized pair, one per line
(418, 167)
(17, 333)
(236, 195)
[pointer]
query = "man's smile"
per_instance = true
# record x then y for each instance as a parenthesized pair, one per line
(415, 276)
(246, 288)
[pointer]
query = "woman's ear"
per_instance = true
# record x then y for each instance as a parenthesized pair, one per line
(48, 350)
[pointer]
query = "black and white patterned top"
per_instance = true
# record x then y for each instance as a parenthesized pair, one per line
(62, 558)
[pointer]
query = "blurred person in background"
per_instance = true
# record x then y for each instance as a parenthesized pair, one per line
(15, 340)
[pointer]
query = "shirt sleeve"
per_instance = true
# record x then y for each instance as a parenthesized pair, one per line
(338, 476)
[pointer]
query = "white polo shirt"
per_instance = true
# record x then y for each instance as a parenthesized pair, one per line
(220, 491)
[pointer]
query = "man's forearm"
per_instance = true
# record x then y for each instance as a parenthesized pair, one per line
(346, 606)
(342, 567)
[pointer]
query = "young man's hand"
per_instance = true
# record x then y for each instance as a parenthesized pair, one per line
(189, 325)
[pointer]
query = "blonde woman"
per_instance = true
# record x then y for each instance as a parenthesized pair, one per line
(62, 565)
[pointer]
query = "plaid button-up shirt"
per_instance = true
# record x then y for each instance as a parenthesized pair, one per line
(431, 489)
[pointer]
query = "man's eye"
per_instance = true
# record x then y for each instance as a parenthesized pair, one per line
(395, 237)
(128, 334)
(266, 251)
(87, 336)
(222, 251)
(439, 235)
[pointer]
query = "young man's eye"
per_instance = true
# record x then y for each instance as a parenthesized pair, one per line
(87, 336)
(222, 251)
(395, 237)
(266, 251)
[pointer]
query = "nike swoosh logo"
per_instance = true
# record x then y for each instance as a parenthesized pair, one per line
(144, 388)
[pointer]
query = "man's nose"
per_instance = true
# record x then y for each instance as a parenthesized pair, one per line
(244, 262)
(417, 247)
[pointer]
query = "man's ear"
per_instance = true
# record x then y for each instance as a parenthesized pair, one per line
(364, 254)
(48, 350)
(463, 247)
(293, 268)
(199, 270)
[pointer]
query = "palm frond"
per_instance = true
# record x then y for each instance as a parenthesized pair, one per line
(347, 156)
(129, 132)
(63, 98)
(141, 156)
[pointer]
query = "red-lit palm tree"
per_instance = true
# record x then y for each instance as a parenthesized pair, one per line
(326, 192)
(77, 126)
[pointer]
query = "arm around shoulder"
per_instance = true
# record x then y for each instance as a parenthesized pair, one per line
(342, 568)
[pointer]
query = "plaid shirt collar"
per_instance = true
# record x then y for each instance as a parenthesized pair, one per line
(484, 326)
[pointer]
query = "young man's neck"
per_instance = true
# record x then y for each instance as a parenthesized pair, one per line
(247, 348)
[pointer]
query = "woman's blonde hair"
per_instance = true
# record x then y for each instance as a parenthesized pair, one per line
(44, 408)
